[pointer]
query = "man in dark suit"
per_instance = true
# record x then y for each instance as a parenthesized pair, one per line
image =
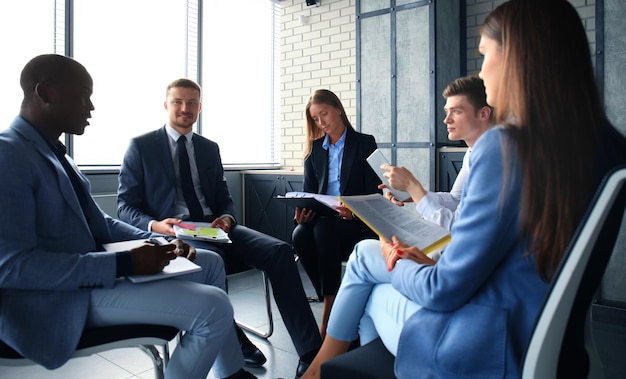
(55, 278)
(152, 197)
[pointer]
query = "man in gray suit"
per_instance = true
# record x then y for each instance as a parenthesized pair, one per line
(55, 280)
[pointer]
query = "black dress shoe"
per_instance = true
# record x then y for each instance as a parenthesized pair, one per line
(242, 374)
(252, 356)
(246, 375)
(302, 367)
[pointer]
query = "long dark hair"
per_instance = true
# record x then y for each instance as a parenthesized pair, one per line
(549, 101)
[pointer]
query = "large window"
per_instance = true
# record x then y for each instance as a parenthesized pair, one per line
(134, 48)
(237, 76)
(23, 38)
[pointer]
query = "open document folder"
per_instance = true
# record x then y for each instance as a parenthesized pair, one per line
(201, 231)
(322, 205)
(388, 219)
(178, 266)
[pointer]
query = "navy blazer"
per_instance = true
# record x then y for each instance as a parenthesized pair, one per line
(47, 259)
(356, 177)
(147, 181)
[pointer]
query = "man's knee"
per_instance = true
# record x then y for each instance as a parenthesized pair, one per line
(208, 258)
(212, 267)
(220, 312)
(280, 261)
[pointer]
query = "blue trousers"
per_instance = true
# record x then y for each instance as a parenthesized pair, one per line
(195, 303)
(367, 306)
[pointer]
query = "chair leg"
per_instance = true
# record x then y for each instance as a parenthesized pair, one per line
(158, 362)
(166, 350)
(270, 318)
(596, 368)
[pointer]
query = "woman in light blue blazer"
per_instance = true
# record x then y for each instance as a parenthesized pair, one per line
(471, 314)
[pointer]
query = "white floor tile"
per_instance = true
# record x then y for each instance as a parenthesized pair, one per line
(93, 367)
(247, 295)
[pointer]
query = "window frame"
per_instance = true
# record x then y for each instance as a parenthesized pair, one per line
(64, 44)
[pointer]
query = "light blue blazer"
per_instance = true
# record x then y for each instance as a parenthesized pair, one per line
(47, 259)
(481, 299)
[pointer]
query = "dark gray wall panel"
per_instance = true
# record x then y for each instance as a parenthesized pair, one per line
(615, 61)
(614, 285)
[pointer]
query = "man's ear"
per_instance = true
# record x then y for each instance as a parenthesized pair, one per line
(165, 105)
(44, 92)
(485, 113)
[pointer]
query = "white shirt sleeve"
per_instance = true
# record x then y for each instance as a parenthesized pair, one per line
(442, 208)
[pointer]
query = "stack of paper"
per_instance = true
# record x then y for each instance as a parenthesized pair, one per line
(201, 231)
(322, 205)
(178, 266)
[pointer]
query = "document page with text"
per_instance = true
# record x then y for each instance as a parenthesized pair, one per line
(388, 219)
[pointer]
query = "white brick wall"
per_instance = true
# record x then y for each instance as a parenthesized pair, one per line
(321, 53)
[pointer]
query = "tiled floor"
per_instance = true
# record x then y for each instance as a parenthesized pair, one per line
(246, 292)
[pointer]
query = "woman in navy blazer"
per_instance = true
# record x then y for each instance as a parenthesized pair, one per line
(335, 164)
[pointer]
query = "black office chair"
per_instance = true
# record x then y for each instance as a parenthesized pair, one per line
(234, 267)
(370, 361)
(561, 345)
(96, 340)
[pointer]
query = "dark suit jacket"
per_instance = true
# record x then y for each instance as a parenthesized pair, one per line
(147, 192)
(356, 178)
(48, 262)
(147, 188)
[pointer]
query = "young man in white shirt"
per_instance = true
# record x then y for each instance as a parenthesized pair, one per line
(468, 116)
